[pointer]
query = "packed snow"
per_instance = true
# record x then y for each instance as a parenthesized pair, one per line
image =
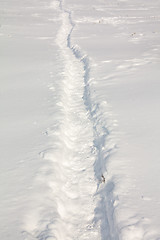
(79, 101)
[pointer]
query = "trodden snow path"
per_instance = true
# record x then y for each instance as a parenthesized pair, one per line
(78, 200)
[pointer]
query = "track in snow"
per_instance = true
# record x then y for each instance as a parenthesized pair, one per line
(80, 196)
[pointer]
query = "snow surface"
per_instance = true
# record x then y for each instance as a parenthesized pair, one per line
(80, 117)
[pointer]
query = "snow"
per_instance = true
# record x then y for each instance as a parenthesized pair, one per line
(25, 103)
(80, 120)
(125, 74)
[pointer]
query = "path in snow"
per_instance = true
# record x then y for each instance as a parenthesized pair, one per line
(78, 199)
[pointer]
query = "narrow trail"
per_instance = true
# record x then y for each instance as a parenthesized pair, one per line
(104, 211)
(80, 195)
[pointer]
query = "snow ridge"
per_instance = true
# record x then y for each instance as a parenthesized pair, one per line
(104, 211)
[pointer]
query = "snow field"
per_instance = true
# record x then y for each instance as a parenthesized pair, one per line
(80, 114)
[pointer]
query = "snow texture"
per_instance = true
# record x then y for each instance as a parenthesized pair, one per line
(80, 120)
